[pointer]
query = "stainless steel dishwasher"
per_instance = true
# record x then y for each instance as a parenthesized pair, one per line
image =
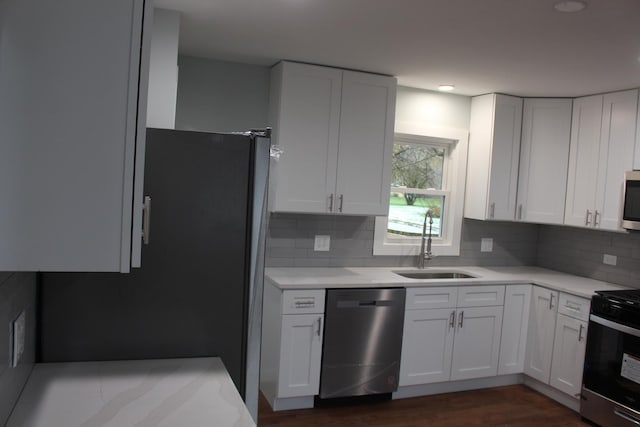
(362, 342)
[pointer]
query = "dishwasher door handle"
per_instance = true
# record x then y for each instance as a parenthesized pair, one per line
(364, 303)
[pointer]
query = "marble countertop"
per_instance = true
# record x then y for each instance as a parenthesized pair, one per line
(189, 392)
(365, 277)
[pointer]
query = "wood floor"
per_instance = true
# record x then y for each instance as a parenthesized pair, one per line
(513, 406)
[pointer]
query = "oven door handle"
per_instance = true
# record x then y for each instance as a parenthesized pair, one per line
(626, 416)
(616, 326)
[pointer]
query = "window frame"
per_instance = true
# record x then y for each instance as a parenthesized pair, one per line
(454, 179)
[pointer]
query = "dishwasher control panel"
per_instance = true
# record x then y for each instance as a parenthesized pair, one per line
(303, 302)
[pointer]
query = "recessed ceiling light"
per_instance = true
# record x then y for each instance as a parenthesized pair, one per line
(446, 88)
(570, 6)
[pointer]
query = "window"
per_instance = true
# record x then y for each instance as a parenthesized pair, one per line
(428, 173)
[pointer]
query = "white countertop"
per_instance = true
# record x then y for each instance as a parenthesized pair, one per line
(189, 392)
(363, 277)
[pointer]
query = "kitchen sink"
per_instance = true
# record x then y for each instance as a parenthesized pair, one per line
(418, 274)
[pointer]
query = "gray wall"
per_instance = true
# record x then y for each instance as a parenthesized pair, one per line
(291, 237)
(579, 251)
(17, 293)
(217, 96)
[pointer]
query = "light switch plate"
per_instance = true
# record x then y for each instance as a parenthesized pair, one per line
(486, 244)
(322, 243)
(609, 259)
(18, 330)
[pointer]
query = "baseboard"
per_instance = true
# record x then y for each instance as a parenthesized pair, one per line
(453, 386)
(552, 393)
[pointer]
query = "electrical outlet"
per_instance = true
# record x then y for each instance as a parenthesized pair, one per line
(486, 244)
(322, 243)
(609, 259)
(18, 330)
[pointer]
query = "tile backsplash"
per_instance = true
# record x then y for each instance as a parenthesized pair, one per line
(572, 250)
(291, 239)
(581, 251)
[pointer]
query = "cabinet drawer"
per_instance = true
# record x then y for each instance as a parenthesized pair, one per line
(573, 306)
(480, 296)
(440, 297)
(303, 302)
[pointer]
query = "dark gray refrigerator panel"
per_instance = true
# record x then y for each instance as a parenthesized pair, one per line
(199, 290)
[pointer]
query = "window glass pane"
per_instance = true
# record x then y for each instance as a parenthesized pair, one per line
(407, 211)
(417, 166)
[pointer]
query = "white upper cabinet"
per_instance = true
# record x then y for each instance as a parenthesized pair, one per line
(602, 148)
(72, 117)
(544, 153)
(636, 157)
(335, 129)
(494, 150)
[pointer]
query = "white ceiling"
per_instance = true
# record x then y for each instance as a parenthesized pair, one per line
(520, 47)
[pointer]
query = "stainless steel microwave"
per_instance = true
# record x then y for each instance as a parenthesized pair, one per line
(631, 201)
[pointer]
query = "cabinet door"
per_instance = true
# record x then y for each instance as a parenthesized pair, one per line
(305, 110)
(542, 322)
(583, 161)
(544, 155)
(367, 117)
(69, 128)
(427, 344)
(300, 354)
(568, 355)
(494, 147)
(476, 346)
(513, 343)
(617, 142)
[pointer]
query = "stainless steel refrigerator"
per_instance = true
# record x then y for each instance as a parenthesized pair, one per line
(199, 290)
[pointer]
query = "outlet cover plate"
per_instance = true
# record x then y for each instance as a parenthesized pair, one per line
(486, 244)
(609, 259)
(322, 243)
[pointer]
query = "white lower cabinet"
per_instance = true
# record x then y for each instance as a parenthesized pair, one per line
(476, 345)
(542, 324)
(301, 351)
(513, 344)
(568, 354)
(292, 331)
(557, 339)
(427, 346)
(451, 343)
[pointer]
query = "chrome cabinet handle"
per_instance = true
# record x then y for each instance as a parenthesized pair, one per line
(146, 219)
(551, 302)
(461, 321)
(341, 198)
(319, 326)
(520, 212)
(493, 210)
(580, 337)
(331, 203)
(596, 223)
(587, 221)
(452, 319)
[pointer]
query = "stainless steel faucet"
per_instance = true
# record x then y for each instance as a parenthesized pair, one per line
(425, 255)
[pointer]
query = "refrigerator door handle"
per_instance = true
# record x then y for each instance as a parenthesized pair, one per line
(146, 219)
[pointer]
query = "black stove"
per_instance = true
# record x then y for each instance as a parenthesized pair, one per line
(621, 306)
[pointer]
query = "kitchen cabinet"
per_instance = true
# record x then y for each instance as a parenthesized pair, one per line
(513, 344)
(544, 153)
(570, 344)
(335, 129)
(293, 323)
(455, 339)
(540, 335)
(602, 149)
(636, 157)
(494, 150)
(72, 126)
